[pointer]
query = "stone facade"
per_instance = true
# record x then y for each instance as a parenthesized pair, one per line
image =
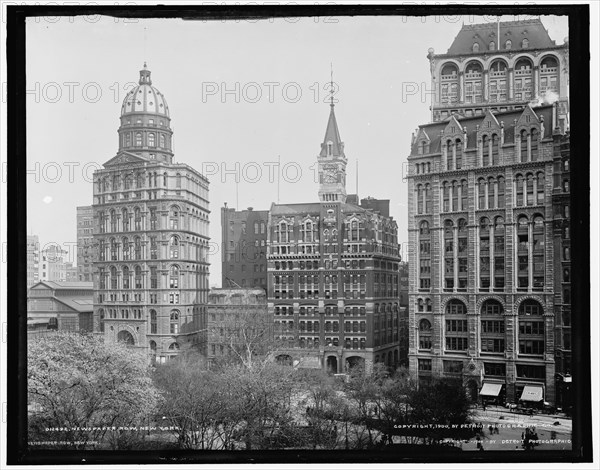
(481, 244)
(151, 235)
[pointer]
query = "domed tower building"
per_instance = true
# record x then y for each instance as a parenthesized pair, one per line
(151, 234)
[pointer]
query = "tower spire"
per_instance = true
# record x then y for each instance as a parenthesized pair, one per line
(331, 89)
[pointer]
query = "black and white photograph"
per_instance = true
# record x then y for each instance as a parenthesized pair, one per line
(298, 234)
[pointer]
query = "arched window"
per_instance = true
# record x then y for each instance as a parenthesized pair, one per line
(153, 322)
(530, 194)
(102, 250)
(162, 141)
(174, 347)
(174, 214)
(485, 151)
(445, 196)
(178, 181)
(419, 199)
(449, 88)
(534, 144)
(428, 198)
(151, 139)
(473, 83)
(128, 139)
(501, 192)
(174, 277)
(525, 43)
(491, 185)
(126, 218)
(174, 323)
(138, 278)
(459, 151)
(114, 250)
(549, 74)
(450, 152)
(113, 277)
(125, 277)
(498, 81)
(475, 47)
(126, 252)
(137, 217)
(138, 139)
(492, 46)
(523, 79)
(113, 221)
(495, 150)
(508, 44)
(524, 146)
(174, 247)
(481, 193)
(456, 307)
(464, 195)
(165, 179)
(425, 334)
(519, 190)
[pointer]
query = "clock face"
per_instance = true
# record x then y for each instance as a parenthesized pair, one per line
(330, 176)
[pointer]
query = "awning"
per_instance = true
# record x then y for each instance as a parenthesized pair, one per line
(490, 389)
(533, 393)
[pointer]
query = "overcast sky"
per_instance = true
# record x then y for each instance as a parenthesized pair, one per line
(241, 95)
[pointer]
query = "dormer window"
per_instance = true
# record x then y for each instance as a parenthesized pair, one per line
(476, 47)
(508, 44)
(329, 149)
(525, 43)
(492, 46)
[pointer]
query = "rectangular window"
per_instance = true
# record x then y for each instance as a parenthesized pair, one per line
(425, 365)
(457, 343)
(453, 367)
(492, 345)
(531, 372)
(491, 368)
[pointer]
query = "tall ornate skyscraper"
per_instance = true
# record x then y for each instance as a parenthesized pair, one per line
(483, 179)
(333, 273)
(151, 234)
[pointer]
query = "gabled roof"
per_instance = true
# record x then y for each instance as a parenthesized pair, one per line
(60, 285)
(434, 130)
(124, 157)
(532, 30)
(332, 134)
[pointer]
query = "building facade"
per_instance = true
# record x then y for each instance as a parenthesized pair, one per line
(333, 273)
(483, 222)
(64, 306)
(53, 264)
(151, 221)
(236, 321)
(33, 260)
(500, 67)
(86, 253)
(481, 218)
(244, 248)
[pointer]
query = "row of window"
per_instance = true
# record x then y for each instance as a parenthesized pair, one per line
(498, 81)
(136, 181)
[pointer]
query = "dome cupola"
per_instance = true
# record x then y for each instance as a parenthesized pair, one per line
(145, 123)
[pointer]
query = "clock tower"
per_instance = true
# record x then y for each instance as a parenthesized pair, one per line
(332, 163)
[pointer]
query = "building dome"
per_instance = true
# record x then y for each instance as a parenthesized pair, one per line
(145, 98)
(145, 128)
